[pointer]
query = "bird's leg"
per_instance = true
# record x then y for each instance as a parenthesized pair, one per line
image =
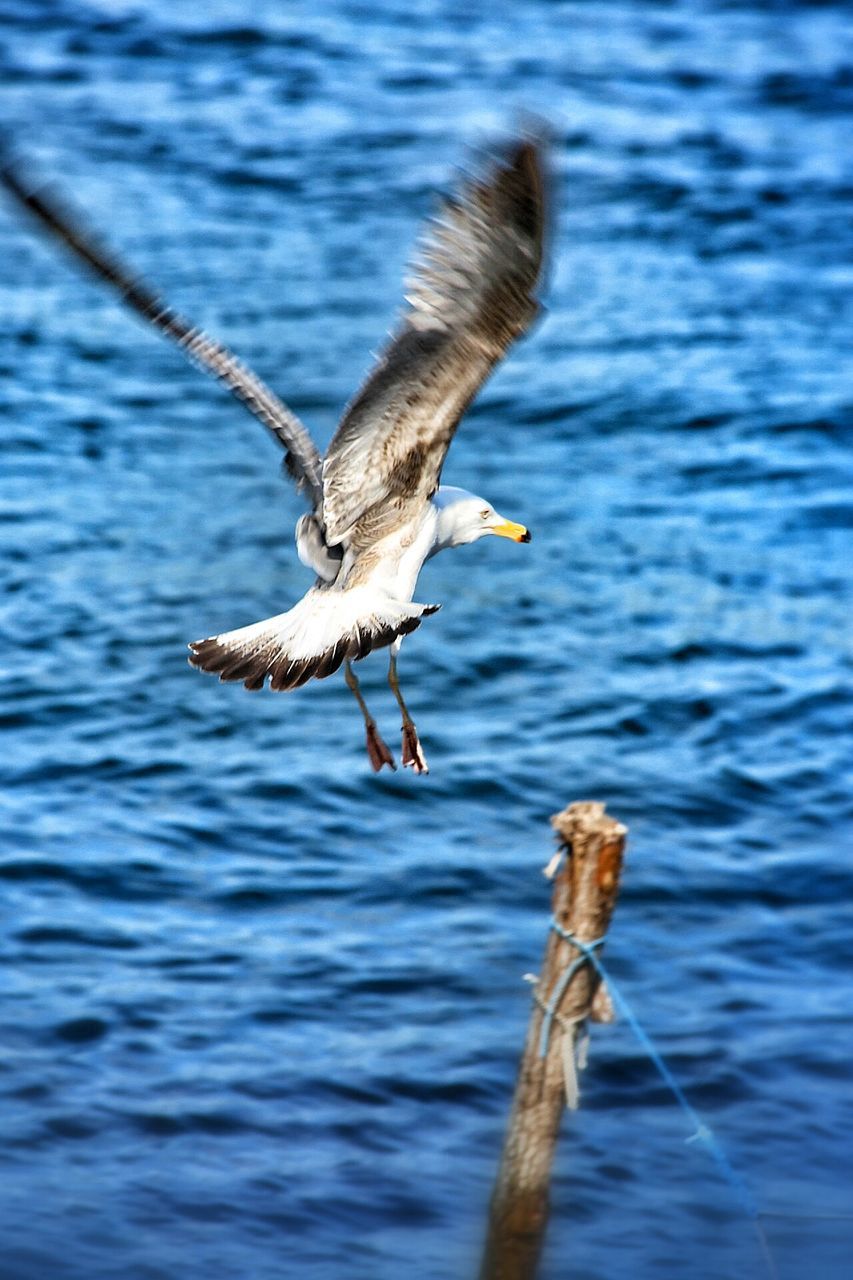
(376, 748)
(412, 752)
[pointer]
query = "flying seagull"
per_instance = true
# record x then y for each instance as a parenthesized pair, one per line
(377, 510)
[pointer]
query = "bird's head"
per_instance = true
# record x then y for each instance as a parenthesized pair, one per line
(463, 517)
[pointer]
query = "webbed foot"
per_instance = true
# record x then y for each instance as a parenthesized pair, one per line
(377, 750)
(412, 753)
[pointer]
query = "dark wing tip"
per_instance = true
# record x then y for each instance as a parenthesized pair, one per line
(523, 184)
(525, 158)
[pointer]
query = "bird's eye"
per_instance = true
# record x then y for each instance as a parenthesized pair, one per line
(484, 515)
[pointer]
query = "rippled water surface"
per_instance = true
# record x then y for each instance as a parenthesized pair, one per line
(262, 1009)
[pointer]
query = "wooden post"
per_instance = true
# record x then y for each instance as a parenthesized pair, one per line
(585, 890)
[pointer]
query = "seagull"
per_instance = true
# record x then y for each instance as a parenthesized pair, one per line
(377, 509)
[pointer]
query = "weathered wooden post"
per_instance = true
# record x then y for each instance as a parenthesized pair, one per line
(568, 992)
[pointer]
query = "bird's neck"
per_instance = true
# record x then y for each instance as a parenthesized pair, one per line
(445, 531)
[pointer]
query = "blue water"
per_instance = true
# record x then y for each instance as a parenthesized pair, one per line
(263, 1009)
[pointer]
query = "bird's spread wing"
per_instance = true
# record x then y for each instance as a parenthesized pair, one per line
(303, 459)
(471, 296)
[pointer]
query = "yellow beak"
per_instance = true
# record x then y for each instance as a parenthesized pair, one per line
(509, 529)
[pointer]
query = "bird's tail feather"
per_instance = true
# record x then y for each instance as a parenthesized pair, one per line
(311, 640)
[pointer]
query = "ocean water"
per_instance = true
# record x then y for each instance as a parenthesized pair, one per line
(262, 1010)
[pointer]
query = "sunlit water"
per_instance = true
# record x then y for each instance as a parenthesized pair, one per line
(263, 1009)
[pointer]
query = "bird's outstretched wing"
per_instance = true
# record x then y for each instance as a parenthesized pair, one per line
(471, 296)
(303, 458)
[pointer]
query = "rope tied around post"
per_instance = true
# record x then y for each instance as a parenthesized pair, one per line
(574, 1042)
(702, 1133)
(549, 1007)
(585, 890)
(584, 894)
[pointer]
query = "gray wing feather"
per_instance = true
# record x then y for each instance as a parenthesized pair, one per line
(303, 458)
(471, 296)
